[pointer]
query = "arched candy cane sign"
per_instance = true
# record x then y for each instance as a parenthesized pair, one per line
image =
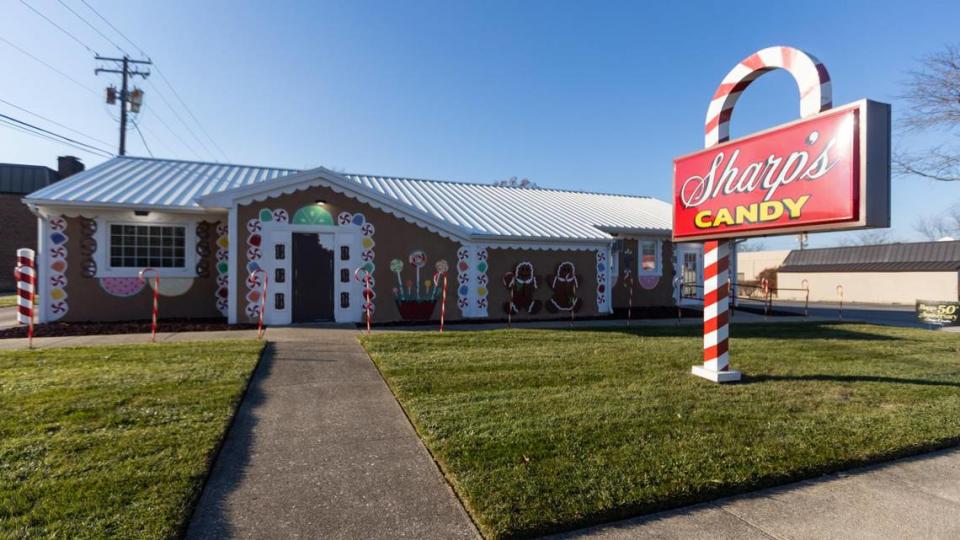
(815, 88)
(156, 300)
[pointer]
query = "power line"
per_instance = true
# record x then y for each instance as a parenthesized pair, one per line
(177, 115)
(95, 29)
(115, 29)
(144, 141)
(48, 66)
(165, 80)
(62, 29)
(190, 112)
(177, 137)
(51, 136)
(54, 122)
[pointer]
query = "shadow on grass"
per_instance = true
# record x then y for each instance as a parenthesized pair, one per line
(799, 330)
(846, 378)
(210, 517)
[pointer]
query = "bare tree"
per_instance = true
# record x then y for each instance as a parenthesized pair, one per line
(751, 245)
(933, 98)
(869, 238)
(513, 182)
(946, 225)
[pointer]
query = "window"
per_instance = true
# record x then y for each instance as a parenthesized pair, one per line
(344, 253)
(648, 261)
(280, 252)
(279, 275)
(344, 275)
(140, 246)
(278, 301)
(344, 300)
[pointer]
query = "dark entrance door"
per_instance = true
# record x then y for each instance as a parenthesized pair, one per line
(312, 279)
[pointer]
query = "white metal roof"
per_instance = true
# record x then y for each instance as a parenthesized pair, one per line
(133, 182)
(471, 210)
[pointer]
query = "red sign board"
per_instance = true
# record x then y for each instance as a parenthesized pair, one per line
(812, 174)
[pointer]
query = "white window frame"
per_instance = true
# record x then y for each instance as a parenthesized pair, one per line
(658, 249)
(102, 255)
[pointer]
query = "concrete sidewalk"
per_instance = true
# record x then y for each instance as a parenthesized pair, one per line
(911, 498)
(321, 449)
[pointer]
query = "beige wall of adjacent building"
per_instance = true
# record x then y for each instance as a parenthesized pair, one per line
(751, 263)
(871, 287)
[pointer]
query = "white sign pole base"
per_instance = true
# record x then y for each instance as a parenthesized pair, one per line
(716, 376)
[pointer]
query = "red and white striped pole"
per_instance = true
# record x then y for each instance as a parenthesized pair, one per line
(156, 299)
(26, 276)
(816, 96)
(766, 296)
(806, 301)
(263, 300)
(361, 274)
(443, 296)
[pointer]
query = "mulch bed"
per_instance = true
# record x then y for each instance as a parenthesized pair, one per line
(61, 329)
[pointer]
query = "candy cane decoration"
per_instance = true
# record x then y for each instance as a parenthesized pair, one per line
(840, 293)
(361, 274)
(628, 281)
(765, 283)
(678, 285)
(443, 296)
(806, 301)
(816, 95)
(156, 299)
(263, 299)
(26, 276)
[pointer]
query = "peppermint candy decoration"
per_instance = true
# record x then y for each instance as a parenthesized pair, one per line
(280, 216)
(344, 218)
(367, 229)
(58, 224)
(254, 253)
(254, 226)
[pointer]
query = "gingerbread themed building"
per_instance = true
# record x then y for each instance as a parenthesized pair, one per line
(318, 245)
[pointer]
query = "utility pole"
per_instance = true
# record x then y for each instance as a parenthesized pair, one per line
(125, 96)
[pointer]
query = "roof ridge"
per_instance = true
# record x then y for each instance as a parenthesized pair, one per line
(215, 163)
(482, 184)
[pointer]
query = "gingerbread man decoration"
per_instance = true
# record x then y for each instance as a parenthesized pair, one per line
(564, 283)
(522, 287)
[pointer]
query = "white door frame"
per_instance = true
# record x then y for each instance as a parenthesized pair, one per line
(679, 252)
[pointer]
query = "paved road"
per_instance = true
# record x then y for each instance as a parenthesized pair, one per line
(8, 317)
(890, 315)
(321, 449)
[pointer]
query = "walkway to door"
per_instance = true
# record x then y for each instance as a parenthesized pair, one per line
(320, 448)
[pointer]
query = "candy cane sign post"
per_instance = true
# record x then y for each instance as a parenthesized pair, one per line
(26, 276)
(156, 299)
(828, 171)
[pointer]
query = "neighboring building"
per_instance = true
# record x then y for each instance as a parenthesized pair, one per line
(212, 231)
(18, 223)
(751, 263)
(881, 274)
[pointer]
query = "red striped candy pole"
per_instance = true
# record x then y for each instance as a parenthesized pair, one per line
(840, 293)
(816, 95)
(26, 276)
(263, 300)
(766, 296)
(361, 274)
(629, 281)
(806, 301)
(156, 299)
(443, 296)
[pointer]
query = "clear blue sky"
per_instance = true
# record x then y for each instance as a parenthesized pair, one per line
(594, 96)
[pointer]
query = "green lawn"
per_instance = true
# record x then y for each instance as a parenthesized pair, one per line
(8, 300)
(543, 430)
(112, 441)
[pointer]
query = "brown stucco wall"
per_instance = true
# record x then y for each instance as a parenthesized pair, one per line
(88, 300)
(659, 295)
(394, 239)
(545, 263)
(18, 229)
